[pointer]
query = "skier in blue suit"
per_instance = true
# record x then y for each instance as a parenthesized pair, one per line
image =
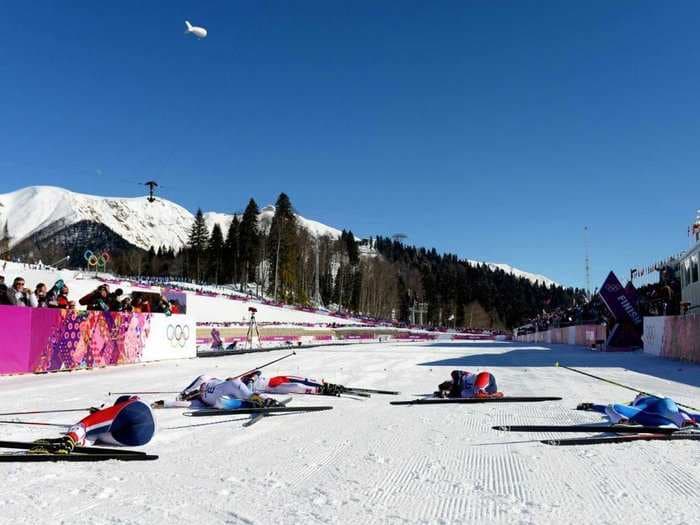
(646, 410)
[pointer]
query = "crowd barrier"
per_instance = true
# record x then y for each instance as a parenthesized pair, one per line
(272, 335)
(47, 339)
(581, 335)
(674, 337)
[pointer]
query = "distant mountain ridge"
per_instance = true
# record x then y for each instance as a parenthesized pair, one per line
(41, 213)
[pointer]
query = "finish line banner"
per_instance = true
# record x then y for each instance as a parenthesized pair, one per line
(621, 301)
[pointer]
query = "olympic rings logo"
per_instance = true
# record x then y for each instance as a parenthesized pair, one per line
(98, 261)
(178, 335)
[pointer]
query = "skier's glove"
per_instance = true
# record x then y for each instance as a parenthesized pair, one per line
(63, 445)
(330, 389)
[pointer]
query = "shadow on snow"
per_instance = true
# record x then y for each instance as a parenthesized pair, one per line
(543, 355)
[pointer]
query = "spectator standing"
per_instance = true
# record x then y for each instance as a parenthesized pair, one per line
(97, 299)
(58, 296)
(3, 291)
(19, 295)
(40, 293)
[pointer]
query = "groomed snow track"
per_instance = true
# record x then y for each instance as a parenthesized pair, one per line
(367, 461)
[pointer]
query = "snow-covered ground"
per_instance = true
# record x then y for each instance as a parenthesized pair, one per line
(367, 461)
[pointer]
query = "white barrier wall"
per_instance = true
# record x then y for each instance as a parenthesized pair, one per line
(653, 335)
(171, 337)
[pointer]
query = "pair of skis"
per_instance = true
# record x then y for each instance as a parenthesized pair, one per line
(78, 454)
(254, 411)
(622, 433)
(476, 400)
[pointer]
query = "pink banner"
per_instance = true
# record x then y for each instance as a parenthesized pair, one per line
(43, 340)
(15, 327)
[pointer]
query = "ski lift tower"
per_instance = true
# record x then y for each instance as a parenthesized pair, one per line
(152, 185)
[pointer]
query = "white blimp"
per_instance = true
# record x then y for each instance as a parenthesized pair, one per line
(199, 32)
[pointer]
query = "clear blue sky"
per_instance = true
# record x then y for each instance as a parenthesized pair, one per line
(494, 130)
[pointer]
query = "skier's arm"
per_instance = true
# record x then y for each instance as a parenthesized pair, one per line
(591, 407)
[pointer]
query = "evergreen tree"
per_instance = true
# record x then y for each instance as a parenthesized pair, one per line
(150, 263)
(215, 251)
(248, 243)
(283, 250)
(231, 255)
(197, 244)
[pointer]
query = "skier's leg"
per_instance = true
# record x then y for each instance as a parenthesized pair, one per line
(292, 385)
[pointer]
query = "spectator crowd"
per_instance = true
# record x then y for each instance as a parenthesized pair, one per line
(100, 299)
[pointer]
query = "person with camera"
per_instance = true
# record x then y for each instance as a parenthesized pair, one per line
(19, 295)
(98, 299)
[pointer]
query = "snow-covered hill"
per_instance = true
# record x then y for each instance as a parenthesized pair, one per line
(37, 209)
(265, 220)
(142, 223)
(532, 277)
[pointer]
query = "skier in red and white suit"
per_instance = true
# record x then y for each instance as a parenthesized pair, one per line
(129, 423)
(467, 384)
(290, 385)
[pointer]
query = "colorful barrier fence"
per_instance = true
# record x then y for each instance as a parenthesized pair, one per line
(43, 340)
(674, 337)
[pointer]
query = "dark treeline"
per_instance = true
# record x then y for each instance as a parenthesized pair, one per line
(283, 260)
(448, 284)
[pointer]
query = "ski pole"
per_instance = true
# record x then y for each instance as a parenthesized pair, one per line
(177, 391)
(144, 392)
(262, 366)
(619, 384)
(87, 409)
(38, 423)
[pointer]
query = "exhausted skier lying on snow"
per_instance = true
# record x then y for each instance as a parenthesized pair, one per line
(290, 385)
(217, 393)
(467, 384)
(646, 410)
(129, 423)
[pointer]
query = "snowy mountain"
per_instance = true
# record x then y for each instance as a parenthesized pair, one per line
(38, 209)
(532, 277)
(45, 210)
(36, 213)
(265, 220)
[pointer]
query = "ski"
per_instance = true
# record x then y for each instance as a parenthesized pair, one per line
(372, 391)
(594, 440)
(353, 392)
(268, 410)
(27, 445)
(620, 429)
(257, 417)
(33, 457)
(470, 400)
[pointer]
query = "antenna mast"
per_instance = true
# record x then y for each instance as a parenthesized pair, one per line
(587, 263)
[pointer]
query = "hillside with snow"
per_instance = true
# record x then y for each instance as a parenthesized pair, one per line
(43, 211)
(532, 277)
